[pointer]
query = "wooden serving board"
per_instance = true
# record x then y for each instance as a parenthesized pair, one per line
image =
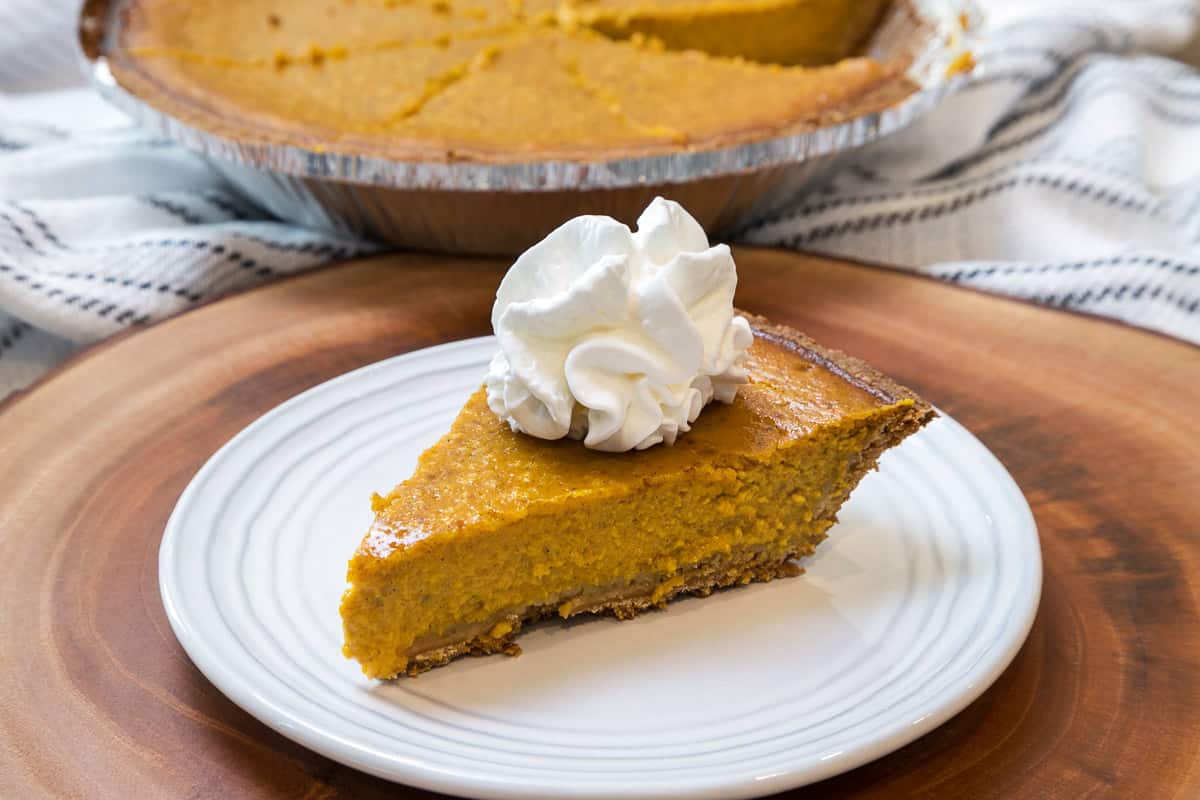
(1099, 423)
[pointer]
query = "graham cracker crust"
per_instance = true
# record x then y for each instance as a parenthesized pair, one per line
(700, 581)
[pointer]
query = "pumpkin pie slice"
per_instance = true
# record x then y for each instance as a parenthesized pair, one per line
(497, 529)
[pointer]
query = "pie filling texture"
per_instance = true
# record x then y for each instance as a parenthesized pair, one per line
(504, 78)
(496, 529)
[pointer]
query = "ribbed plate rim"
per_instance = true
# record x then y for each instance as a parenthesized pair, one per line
(479, 783)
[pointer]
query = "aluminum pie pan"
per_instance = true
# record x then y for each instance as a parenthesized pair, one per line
(469, 206)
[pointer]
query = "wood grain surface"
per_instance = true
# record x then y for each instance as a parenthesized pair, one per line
(1100, 425)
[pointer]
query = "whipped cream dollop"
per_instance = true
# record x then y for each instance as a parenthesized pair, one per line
(616, 337)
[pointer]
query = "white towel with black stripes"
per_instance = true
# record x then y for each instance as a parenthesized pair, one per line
(104, 226)
(1067, 172)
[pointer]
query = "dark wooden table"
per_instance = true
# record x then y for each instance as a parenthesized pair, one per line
(1099, 423)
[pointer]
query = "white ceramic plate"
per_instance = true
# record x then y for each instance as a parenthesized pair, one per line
(921, 596)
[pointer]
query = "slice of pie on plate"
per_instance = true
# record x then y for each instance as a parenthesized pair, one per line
(496, 529)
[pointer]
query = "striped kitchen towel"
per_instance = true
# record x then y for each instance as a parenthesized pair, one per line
(1066, 172)
(104, 227)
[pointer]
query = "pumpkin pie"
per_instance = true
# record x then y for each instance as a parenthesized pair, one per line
(504, 80)
(496, 529)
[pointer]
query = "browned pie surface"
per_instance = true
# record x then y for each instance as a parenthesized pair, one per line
(503, 80)
(1096, 421)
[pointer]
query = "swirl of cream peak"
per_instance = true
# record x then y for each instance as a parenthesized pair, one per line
(616, 337)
